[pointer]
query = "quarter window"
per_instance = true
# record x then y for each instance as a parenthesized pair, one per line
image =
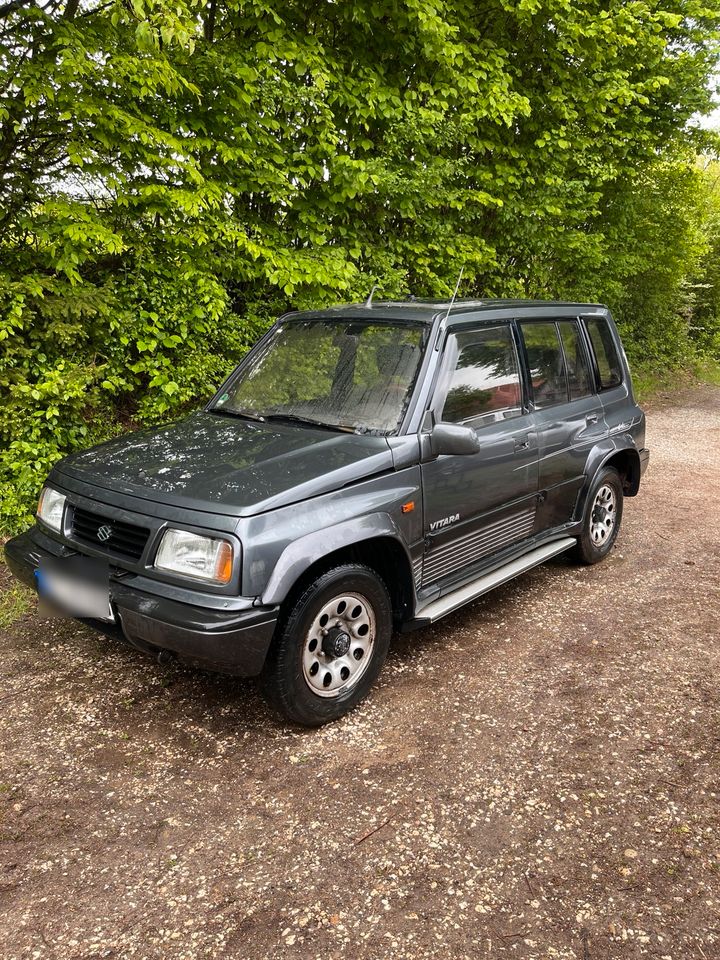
(606, 355)
(485, 384)
(578, 370)
(547, 363)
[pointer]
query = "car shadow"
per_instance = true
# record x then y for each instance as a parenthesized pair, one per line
(224, 704)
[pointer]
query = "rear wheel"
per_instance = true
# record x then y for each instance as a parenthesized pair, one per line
(603, 514)
(331, 646)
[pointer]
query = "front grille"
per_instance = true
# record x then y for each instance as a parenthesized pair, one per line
(125, 539)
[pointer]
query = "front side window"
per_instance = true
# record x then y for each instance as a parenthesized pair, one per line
(349, 375)
(547, 363)
(485, 383)
(606, 355)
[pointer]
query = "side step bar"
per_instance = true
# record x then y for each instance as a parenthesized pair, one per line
(471, 591)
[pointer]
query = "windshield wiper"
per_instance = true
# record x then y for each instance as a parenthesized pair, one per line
(295, 418)
(241, 414)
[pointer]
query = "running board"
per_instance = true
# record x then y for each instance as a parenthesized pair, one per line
(471, 591)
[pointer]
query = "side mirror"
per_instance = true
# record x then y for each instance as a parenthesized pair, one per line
(453, 439)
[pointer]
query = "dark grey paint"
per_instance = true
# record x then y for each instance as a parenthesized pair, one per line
(289, 495)
(223, 464)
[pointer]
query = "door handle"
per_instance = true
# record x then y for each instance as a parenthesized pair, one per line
(592, 418)
(522, 444)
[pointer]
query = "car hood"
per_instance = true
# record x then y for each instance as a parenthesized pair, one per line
(223, 465)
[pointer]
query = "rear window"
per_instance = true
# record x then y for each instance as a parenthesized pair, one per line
(547, 363)
(576, 363)
(606, 355)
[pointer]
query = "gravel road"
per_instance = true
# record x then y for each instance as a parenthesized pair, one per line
(535, 777)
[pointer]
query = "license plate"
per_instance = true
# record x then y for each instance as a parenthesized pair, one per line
(75, 587)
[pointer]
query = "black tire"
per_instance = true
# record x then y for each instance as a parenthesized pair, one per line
(588, 549)
(286, 679)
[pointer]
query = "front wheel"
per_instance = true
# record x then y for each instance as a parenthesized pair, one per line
(330, 647)
(603, 514)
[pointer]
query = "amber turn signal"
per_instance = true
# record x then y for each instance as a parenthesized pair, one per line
(223, 563)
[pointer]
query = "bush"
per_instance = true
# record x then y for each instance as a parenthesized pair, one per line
(173, 177)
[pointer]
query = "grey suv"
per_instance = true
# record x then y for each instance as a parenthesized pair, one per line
(365, 468)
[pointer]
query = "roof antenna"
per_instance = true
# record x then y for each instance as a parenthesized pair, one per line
(457, 285)
(368, 302)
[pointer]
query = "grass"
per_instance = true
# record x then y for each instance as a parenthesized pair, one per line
(649, 380)
(708, 371)
(15, 602)
(15, 598)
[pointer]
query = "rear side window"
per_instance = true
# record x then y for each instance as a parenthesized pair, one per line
(485, 384)
(606, 355)
(578, 369)
(547, 363)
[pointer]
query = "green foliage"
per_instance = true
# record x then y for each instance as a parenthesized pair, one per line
(173, 176)
(655, 240)
(705, 282)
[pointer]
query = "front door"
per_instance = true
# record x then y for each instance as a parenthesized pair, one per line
(476, 505)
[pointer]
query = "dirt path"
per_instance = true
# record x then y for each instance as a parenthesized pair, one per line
(541, 773)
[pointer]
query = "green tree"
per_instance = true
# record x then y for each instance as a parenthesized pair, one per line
(174, 175)
(705, 283)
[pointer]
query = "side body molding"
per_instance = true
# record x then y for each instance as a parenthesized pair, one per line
(302, 553)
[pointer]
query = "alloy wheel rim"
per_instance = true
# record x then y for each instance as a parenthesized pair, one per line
(603, 515)
(339, 644)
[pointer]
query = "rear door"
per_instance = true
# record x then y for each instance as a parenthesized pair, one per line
(478, 504)
(568, 413)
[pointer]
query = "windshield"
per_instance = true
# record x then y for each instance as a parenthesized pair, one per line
(347, 375)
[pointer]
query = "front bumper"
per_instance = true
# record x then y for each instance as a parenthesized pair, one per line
(232, 641)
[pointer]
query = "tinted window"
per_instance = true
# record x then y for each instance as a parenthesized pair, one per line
(578, 371)
(485, 384)
(606, 354)
(547, 365)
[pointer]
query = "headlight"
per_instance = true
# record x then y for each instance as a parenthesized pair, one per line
(192, 555)
(51, 507)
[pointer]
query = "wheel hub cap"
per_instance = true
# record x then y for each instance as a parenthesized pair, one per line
(338, 646)
(602, 518)
(336, 643)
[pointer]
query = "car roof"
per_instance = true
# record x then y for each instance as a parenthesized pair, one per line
(425, 311)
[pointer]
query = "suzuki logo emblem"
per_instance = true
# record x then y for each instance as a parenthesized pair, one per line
(104, 532)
